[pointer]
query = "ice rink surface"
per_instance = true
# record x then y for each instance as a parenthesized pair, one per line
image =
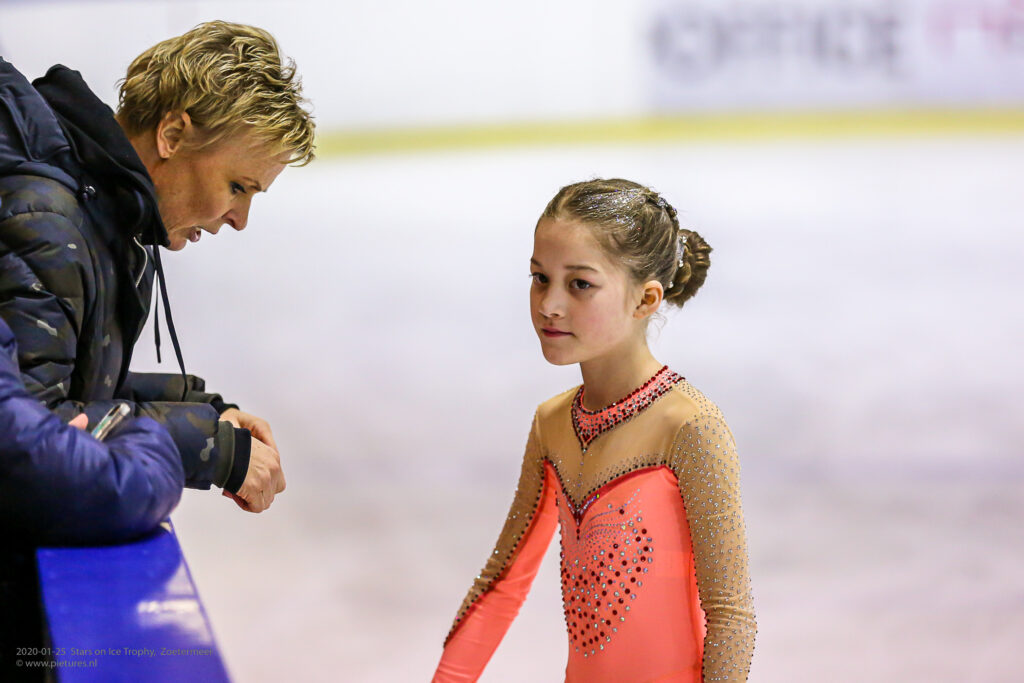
(860, 328)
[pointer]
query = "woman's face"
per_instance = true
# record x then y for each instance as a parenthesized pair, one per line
(582, 304)
(200, 190)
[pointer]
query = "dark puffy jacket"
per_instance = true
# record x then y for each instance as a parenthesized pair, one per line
(78, 221)
(60, 485)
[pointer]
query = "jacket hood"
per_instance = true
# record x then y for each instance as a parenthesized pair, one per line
(101, 146)
(62, 130)
(34, 143)
(57, 128)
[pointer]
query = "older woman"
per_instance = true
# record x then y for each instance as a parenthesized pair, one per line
(88, 197)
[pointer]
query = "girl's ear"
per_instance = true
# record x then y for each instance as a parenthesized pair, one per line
(650, 299)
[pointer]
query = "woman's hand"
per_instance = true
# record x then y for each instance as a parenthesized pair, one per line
(259, 427)
(263, 481)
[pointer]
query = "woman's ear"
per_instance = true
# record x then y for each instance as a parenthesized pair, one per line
(174, 129)
(651, 297)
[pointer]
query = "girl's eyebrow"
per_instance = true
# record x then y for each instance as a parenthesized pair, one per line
(590, 268)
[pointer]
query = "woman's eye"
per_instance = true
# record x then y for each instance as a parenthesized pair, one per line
(580, 284)
(539, 278)
(237, 189)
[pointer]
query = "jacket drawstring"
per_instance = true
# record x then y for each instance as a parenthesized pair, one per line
(170, 322)
(156, 309)
(145, 261)
(156, 325)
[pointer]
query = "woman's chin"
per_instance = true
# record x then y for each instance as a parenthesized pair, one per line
(176, 242)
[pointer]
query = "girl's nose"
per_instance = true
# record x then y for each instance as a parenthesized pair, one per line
(551, 304)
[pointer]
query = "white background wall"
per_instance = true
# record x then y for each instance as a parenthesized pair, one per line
(401, 62)
(379, 64)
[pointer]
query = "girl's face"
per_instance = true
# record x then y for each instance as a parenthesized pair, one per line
(582, 304)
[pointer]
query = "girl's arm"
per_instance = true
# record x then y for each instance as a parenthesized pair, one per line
(708, 468)
(498, 592)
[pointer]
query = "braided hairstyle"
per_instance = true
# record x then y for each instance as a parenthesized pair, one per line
(637, 227)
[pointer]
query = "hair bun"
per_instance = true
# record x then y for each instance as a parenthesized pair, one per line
(692, 269)
(637, 228)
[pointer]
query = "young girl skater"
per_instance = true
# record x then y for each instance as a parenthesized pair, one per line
(636, 467)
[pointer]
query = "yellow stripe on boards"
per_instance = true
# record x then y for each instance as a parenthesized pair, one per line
(685, 128)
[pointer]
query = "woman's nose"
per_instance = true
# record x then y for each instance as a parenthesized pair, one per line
(237, 218)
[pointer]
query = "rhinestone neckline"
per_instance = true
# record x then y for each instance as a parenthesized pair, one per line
(589, 425)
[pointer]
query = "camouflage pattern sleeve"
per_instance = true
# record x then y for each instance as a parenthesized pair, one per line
(194, 428)
(165, 386)
(45, 317)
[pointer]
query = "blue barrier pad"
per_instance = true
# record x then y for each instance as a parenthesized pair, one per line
(127, 613)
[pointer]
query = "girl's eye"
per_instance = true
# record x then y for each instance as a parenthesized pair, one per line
(237, 189)
(580, 284)
(539, 278)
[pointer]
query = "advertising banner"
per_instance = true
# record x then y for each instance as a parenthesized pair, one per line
(824, 54)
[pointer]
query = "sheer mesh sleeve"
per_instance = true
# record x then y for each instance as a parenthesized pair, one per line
(497, 593)
(524, 507)
(707, 466)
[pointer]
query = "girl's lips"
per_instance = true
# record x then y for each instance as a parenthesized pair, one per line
(548, 332)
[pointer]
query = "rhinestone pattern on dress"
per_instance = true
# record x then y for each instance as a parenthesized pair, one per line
(591, 424)
(603, 562)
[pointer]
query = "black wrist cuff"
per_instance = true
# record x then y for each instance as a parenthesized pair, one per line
(240, 462)
(219, 405)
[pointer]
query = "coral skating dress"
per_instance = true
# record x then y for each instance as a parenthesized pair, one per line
(655, 584)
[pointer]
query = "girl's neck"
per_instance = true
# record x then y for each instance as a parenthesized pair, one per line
(607, 379)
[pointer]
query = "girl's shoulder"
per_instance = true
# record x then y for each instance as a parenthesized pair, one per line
(691, 403)
(557, 406)
(682, 407)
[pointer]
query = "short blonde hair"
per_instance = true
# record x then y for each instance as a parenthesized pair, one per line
(228, 78)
